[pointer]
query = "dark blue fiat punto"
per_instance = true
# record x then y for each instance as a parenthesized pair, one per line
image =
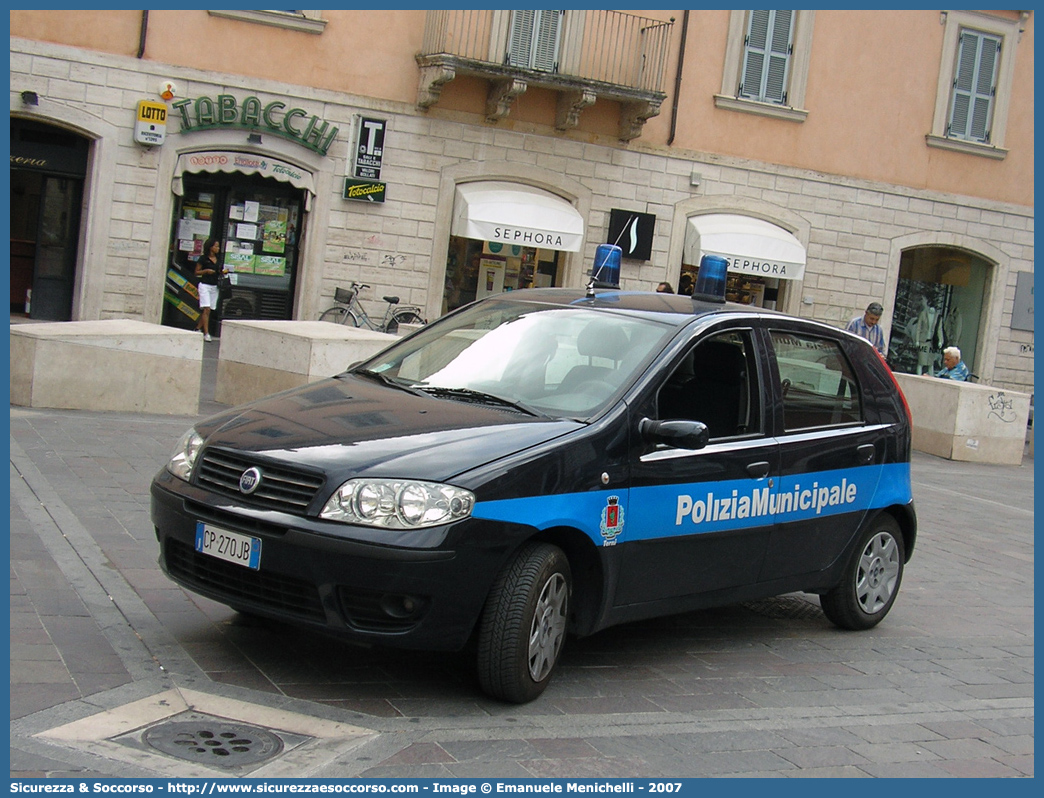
(553, 461)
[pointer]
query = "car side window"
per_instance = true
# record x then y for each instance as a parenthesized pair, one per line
(818, 384)
(716, 383)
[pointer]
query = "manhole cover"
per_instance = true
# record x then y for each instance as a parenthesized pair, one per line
(214, 742)
(785, 608)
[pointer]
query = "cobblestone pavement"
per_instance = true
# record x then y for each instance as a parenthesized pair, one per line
(943, 688)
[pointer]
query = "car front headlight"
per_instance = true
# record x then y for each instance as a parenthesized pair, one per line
(185, 454)
(397, 503)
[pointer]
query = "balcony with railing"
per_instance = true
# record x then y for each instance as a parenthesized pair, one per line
(583, 56)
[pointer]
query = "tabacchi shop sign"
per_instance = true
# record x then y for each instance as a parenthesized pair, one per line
(275, 117)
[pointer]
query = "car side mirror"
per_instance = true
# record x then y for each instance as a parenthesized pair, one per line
(679, 434)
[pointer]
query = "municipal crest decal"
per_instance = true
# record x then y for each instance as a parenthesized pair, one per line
(612, 521)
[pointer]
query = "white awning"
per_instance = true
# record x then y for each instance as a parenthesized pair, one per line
(751, 246)
(512, 213)
(213, 161)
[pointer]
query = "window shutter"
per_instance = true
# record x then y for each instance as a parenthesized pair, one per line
(778, 57)
(766, 57)
(533, 43)
(520, 43)
(754, 54)
(974, 86)
(545, 53)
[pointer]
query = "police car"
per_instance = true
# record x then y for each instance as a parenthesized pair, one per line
(553, 461)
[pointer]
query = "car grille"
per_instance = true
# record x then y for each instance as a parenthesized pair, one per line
(280, 489)
(236, 583)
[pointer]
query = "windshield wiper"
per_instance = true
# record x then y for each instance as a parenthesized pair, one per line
(481, 397)
(402, 385)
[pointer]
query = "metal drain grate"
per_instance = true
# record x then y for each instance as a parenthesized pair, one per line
(213, 741)
(785, 608)
(220, 743)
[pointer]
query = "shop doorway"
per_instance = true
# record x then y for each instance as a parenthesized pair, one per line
(939, 300)
(47, 177)
(475, 269)
(258, 221)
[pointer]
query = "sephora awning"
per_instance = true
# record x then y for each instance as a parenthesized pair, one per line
(751, 246)
(245, 163)
(512, 213)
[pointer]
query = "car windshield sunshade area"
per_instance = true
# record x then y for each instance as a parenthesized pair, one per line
(536, 359)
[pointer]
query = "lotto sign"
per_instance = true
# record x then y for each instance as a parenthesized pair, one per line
(151, 125)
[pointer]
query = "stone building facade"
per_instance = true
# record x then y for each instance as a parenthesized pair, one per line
(858, 236)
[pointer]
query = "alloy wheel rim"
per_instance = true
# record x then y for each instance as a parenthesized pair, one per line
(878, 573)
(548, 629)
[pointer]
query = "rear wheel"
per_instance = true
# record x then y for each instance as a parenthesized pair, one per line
(523, 625)
(871, 578)
(402, 317)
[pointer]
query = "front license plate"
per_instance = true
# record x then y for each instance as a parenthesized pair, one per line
(229, 546)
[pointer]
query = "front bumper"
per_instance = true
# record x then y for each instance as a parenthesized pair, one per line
(321, 574)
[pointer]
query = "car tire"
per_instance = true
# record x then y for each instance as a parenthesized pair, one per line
(871, 578)
(523, 625)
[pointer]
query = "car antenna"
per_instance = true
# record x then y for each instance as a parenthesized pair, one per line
(594, 274)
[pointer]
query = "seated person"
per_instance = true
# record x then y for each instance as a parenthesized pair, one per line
(953, 366)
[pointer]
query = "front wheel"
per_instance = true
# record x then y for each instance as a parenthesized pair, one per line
(402, 317)
(871, 578)
(340, 316)
(336, 315)
(523, 624)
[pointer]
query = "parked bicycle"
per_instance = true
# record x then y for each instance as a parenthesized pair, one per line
(348, 310)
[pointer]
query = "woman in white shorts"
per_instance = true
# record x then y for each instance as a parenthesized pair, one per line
(207, 272)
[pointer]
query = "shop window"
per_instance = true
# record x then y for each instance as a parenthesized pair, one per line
(303, 21)
(975, 82)
(476, 269)
(938, 303)
(258, 222)
(744, 289)
(817, 383)
(766, 63)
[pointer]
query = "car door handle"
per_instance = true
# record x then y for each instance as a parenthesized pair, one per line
(866, 453)
(758, 470)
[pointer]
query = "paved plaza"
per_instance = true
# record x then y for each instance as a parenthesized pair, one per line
(103, 645)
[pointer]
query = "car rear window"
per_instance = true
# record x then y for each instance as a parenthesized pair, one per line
(818, 383)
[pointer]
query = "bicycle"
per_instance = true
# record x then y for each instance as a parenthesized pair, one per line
(349, 310)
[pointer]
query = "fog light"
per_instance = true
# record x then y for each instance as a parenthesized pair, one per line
(400, 606)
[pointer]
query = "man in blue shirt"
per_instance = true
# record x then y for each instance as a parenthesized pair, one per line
(953, 366)
(866, 326)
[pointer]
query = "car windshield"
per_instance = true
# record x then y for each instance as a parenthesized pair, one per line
(544, 359)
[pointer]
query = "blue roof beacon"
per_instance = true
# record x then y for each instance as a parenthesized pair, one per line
(710, 281)
(606, 270)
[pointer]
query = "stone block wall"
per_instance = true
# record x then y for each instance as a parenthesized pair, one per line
(855, 226)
